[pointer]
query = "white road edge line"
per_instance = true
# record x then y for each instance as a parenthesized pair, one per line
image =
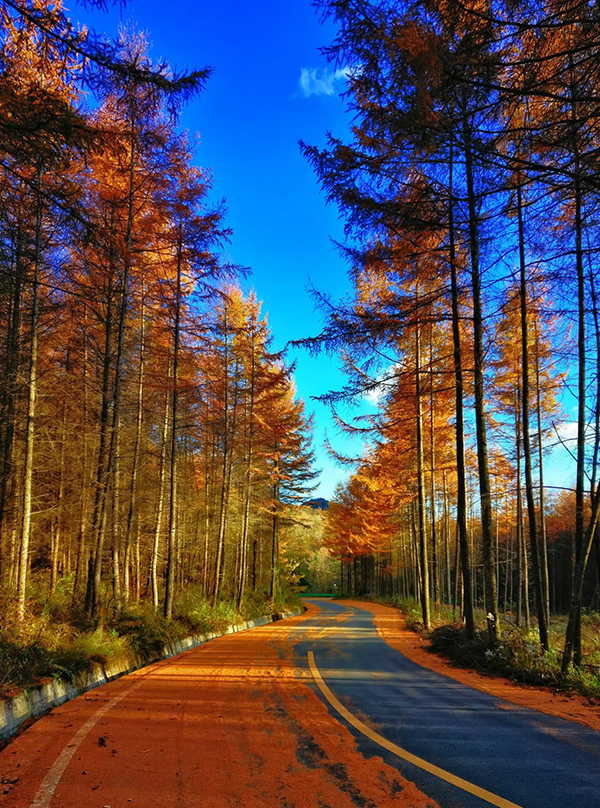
(493, 799)
(46, 791)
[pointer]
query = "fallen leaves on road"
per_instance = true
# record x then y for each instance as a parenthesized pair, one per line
(248, 731)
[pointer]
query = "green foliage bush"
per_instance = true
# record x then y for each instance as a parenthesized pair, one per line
(58, 653)
(58, 641)
(516, 656)
(146, 631)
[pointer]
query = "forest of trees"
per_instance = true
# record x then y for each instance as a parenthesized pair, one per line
(150, 438)
(469, 188)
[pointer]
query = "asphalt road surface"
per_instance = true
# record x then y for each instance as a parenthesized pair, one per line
(520, 755)
(313, 711)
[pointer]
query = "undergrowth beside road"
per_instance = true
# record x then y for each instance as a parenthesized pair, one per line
(60, 642)
(517, 655)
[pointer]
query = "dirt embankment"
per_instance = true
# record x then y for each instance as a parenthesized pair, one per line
(392, 628)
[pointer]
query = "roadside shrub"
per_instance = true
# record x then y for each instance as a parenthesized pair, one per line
(56, 641)
(517, 656)
(146, 632)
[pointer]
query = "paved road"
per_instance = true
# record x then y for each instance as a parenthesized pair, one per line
(228, 724)
(526, 757)
(242, 721)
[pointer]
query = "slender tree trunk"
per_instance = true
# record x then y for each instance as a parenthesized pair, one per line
(596, 452)
(131, 513)
(543, 536)
(461, 505)
(159, 504)
(482, 450)
(458, 579)
(229, 431)
(207, 502)
(219, 561)
(573, 631)
(9, 404)
(434, 548)
(248, 482)
(421, 483)
(85, 482)
(523, 567)
(30, 424)
(118, 373)
(116, 519)
(170, 575)
(447, 540)
(275, 531)
(533, 538)
(573, 625)
(101, 482)
(56, 539)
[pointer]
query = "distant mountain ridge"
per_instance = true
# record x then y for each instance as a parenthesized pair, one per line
(317, 504)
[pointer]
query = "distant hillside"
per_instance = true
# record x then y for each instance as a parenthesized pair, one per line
(317, 504)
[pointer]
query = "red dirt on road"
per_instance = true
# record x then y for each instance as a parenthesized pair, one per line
(229, 723)
(392, 628)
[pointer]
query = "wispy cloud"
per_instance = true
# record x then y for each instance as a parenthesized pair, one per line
(382, 384)
(566, 433)
(321, 82)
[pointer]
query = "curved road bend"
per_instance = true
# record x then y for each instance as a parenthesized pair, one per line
(231, 723)
(243, 721)
(522, 756)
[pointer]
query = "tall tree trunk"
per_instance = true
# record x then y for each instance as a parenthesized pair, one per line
(131, 512)
(573, 631)
(220, 554)
(447, 539)
(461, 505)
(421, 482)
(57, 535)
(9, 406)
(243, 563)
(533, 538)
(482, 449)
(229, 433)
(30, 424)
(543, 533)
(116, 518)
(275, 535)
(434, 548)
(118, 372)
(596, 452)
(85, 482)
(101, 481)
(522, 565)
(160, 503)
(208, 467)
(170, 573)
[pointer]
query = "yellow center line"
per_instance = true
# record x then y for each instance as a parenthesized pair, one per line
(493, 799)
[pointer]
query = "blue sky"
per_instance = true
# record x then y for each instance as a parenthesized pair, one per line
(270, 87)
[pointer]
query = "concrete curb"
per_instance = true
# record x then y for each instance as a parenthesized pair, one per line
(34, 702)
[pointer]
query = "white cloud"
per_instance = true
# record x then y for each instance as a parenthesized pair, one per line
(382, 384)
(321, 82)
(566, 433)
